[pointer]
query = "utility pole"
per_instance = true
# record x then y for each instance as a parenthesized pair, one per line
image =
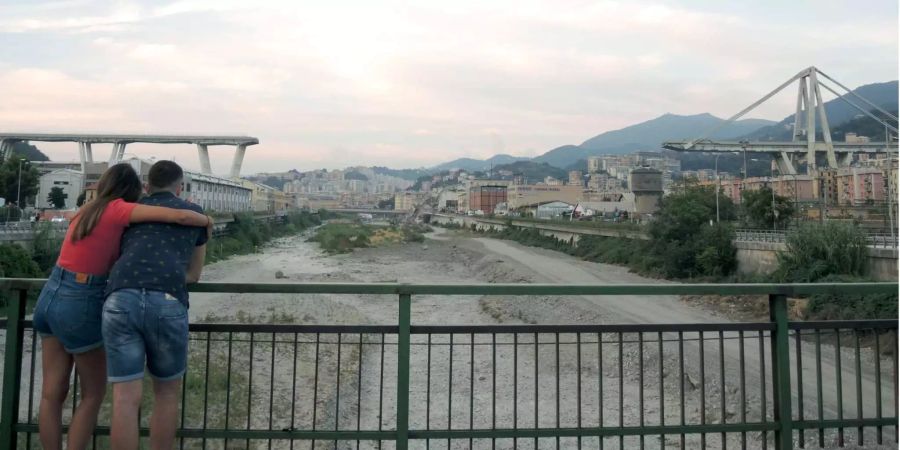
(718, 185)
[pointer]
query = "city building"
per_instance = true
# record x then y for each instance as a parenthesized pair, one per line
(70, 181)
(519, 196)
(575, 178)
(595, 164)
(484, 195)
(550, 210)
(859, 186)
(608, 204)
(214, 193)
(44, 167)
(855, 139)
(407, 200)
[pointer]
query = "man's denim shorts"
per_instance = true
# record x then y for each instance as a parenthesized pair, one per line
(142, 326)
(69, 309)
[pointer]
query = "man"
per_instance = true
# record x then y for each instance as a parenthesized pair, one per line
(145, 316)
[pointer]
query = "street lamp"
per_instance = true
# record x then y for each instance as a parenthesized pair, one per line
(718, 185)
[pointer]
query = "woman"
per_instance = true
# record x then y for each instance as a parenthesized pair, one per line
(69, 308)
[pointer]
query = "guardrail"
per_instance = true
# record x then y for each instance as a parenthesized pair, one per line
(619, 386)
(877, 240)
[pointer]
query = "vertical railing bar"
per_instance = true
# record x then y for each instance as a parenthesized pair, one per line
(359, 365)
(578, 382)
(781, 372)
(205, 387)
(621, 391)
(250, 387)
(662, 390)
(493, 387)
(227, 387)
(403, 363)
(75, 391)
(819, 402)
(272, 387)
(641, 384)
(450, 391)
(381, 388)
(896, 385)
(762, 389)
(878, 413)
(799, 355)
(515, 386)
(31, 385)
(859, 399)
(315, 403)
(12, 368)
(471, 384)
(337, 395)
(536, 388)
(556, 343)
(743, 381)
(294, 391)
(600, 402)
(840, 384)
(681, 376)
(722, 382)
(428, 390)
(702, 355)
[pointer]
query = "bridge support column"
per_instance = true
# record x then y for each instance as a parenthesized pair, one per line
(5, 147)
(238, 160)
(88, 152)
(203, 152)
(82, 155)
(844, 159)
(785, 164)
(118, 151)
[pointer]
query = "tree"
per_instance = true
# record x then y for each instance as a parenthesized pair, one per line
(81, 199)
(683, 241)
(760, 211)
(57, 197)
(9, 179)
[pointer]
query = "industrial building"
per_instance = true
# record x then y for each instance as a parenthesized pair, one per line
(70, 181)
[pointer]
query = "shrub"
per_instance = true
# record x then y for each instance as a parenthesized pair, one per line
(816, 251)
(850, 306)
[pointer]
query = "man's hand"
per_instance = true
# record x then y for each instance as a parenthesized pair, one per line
(209, 227)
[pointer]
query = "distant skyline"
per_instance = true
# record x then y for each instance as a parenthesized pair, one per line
(411, 84)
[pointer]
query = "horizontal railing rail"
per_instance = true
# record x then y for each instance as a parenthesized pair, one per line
(874, 239)
(654, 385)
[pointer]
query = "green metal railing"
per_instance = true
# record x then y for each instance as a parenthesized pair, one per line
(725, 385)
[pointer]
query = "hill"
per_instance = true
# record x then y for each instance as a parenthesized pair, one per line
(29, 151)
(837, 110)
(471, 164)
(648, 136)
(533, 171)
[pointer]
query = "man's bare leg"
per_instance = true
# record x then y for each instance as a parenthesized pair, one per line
(124, 426)
(164, 420)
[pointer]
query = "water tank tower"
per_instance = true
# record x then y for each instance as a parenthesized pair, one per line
(646, 184)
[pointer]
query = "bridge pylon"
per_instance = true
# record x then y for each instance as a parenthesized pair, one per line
(804, 144)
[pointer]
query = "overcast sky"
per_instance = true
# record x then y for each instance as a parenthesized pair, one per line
(407, 84)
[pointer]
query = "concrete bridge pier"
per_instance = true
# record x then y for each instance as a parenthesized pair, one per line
(238, 160)
(117, 153)
(5, 148)
(203, 152)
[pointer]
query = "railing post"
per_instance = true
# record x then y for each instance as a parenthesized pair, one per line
(781, 372)
(12, 369)
(403, 372)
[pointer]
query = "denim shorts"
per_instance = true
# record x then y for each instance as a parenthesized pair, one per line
(144, 327)
(69, 309)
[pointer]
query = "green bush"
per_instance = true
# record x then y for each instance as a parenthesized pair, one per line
(850, 306)
(815, 251)
(16, 262)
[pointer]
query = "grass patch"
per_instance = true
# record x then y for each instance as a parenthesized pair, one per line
(345, 237)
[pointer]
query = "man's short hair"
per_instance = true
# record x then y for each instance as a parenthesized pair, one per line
(165, 174)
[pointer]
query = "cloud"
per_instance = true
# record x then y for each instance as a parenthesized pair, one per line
(326, 84)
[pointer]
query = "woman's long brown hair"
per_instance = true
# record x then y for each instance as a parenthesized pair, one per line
(119, 181)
